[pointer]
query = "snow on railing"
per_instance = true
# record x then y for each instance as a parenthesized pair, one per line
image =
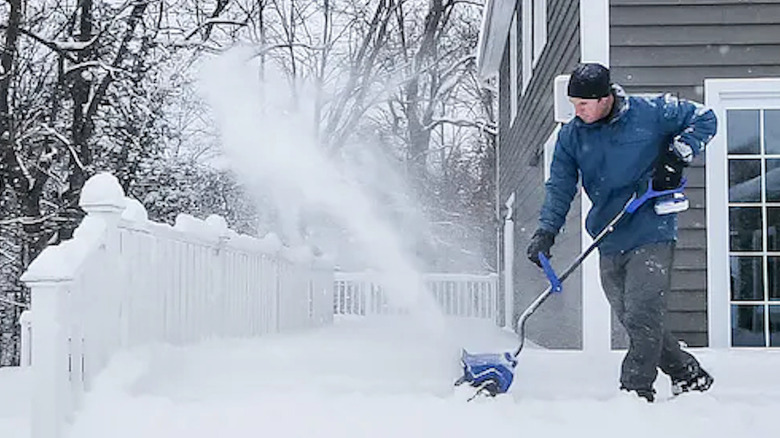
(459, 295)
(124, 281)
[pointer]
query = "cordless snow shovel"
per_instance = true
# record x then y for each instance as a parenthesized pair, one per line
(493, 373)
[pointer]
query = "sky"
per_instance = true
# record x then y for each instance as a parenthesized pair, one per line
(385, 377)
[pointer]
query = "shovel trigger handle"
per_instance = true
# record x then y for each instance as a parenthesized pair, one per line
(650, 194)
(555, 282)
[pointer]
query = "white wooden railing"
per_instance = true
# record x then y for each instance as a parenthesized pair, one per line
(458, 295)
(124, 281)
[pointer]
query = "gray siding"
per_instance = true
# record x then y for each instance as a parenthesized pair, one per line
(558, 323)
(673, 45)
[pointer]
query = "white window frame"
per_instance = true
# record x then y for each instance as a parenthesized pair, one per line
(534, 36)
(526, 15)
(540, 29)
(549, 149)
(722, 95)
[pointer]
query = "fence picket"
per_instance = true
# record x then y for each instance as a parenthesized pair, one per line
(458, 295)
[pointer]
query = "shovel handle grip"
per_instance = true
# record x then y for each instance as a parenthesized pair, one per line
(650, 193)
(555, 282)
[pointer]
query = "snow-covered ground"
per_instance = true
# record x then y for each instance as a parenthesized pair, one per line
(385, 378)
(14, 402)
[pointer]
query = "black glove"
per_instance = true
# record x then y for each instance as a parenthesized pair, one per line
(541, 241)
(668, 171)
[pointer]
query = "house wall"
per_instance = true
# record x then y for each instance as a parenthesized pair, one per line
(558, 323)
(672, 46)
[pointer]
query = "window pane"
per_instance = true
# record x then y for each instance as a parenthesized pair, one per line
(773, 266)
(773, 228)
(747, 326)
(742, 131)
(774, 326)
(744, 180)
(747, 279)
(772, 180)
(745, 228)
(772, 131)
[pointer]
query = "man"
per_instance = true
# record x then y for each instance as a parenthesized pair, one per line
(617, 144)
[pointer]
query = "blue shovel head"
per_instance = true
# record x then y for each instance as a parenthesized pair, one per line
(492, 371)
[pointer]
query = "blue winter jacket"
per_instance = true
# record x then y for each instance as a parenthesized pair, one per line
(615, 158)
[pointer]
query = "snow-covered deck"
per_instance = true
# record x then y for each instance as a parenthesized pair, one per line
(15, 402)
(392, 377)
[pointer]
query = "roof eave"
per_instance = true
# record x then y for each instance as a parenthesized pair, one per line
(493, 36)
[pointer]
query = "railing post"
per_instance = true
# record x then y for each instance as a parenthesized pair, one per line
(56, 364)
(50, 399)
(103, 199)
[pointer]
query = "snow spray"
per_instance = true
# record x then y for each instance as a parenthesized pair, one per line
(272, 146)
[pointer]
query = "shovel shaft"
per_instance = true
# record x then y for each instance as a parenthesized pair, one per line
(573, 266)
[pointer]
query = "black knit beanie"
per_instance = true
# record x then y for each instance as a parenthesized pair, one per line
(589, 81)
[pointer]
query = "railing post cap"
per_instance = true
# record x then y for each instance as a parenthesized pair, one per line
(135, 211)
(218, 225)
(25, 317)
(271, 243)
(102, 193)
(50, 267)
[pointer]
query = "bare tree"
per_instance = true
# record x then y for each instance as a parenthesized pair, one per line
(78, 94)
(400, 69)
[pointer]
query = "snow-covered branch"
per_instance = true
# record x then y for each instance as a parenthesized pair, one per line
(212, 22)
(263, 50)
(488, 127)
(76, 158)
(13, 303)
(468, 2)
(25, 171)
(75, 46)
(53, 132)
(457, 64)
(88, 64)
(192, 45)
(50, 44)
(25, 220)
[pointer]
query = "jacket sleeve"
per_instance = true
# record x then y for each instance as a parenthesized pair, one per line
(560, 187)
(692, 122)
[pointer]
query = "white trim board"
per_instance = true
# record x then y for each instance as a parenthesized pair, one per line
(596, 313)
(492, 37)
(720, 95)
(549, 149)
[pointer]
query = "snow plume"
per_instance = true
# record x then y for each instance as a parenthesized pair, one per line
(269, 139)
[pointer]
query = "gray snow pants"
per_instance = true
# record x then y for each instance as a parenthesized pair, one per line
(636, 284)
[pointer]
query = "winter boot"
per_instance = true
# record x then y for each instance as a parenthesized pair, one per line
(698, 380)
(647, 394)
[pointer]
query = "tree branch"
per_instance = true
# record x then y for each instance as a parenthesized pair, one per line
(50, 44)
(209, 24)
(488, 127)
(13, 303)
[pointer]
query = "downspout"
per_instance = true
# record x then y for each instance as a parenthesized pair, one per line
(509, 260)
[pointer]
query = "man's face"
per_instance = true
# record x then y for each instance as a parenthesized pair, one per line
(591, 110)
